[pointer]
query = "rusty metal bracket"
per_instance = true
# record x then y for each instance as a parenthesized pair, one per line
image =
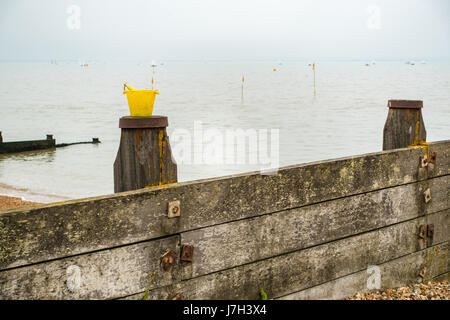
(430, 234)
(168, 259)
(174, 209)
(433, 157)
(427, 195)
(422, 271)
(424, 161)
(187, 252)
(422, 231)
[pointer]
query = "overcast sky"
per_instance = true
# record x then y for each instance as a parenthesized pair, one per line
(225, 29)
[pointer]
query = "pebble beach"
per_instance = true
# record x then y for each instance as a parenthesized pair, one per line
(421, 291)
(7, 203)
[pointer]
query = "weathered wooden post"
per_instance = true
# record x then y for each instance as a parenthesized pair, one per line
(404, 124)
(144, 157)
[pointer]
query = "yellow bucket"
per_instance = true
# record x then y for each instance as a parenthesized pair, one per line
(140, 102)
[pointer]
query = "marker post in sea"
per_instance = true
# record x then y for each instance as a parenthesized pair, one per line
(242, 88)
(314, 75)
(153, 72)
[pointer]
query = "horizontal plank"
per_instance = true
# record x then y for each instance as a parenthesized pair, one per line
(442, 277)
(240, 242)
(395, 273)
(76, 227)
(103, 275)
(296, 271)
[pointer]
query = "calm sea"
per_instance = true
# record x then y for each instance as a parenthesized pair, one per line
(346, 117)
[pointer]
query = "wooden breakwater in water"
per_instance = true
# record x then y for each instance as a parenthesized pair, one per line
(308, 231)
(20, 146)
(30, 145)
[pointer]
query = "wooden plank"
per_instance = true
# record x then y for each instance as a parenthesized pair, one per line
(75, 227)
(239, 242)
(395, 273)
(103, 274)
(296, 271)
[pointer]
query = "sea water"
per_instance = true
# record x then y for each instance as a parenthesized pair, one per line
(345, 117)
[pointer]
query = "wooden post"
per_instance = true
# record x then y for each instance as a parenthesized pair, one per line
(144, 157)
(404, 124)
(1, 138)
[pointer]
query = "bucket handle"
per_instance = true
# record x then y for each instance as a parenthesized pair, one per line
(125, 86)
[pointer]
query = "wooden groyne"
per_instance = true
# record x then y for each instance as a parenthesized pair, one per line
(30, 145)
(308, 231)
(21, 146)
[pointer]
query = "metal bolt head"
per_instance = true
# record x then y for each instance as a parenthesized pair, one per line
(174, 209)
(427, 195)
(187, 252)
(168, 259)
(422, 271)
(422, 231)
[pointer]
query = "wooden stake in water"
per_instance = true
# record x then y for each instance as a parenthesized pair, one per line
(153, 73)
(242, 91)
(314, 74)
(153, 76)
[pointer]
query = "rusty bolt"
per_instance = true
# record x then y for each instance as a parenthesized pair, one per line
(427, 195)
(168, 259)
(187, 252)
(433, 157)
(174, 209)
(422, 271)
(422, 231)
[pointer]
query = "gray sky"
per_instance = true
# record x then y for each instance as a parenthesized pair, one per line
(225, 29)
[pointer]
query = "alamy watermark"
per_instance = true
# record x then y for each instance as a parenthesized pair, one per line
(374, 280)
(73, 277)
(374, 19)
(213, 146)
(73, 21)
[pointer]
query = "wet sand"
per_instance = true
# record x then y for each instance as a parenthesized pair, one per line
(7, 203)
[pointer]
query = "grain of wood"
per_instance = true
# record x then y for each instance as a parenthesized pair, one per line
(75, 227)
(395, 273)
(105, 274)
(144, 159)
(239, 242)
(403, 127)
(296, 271)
